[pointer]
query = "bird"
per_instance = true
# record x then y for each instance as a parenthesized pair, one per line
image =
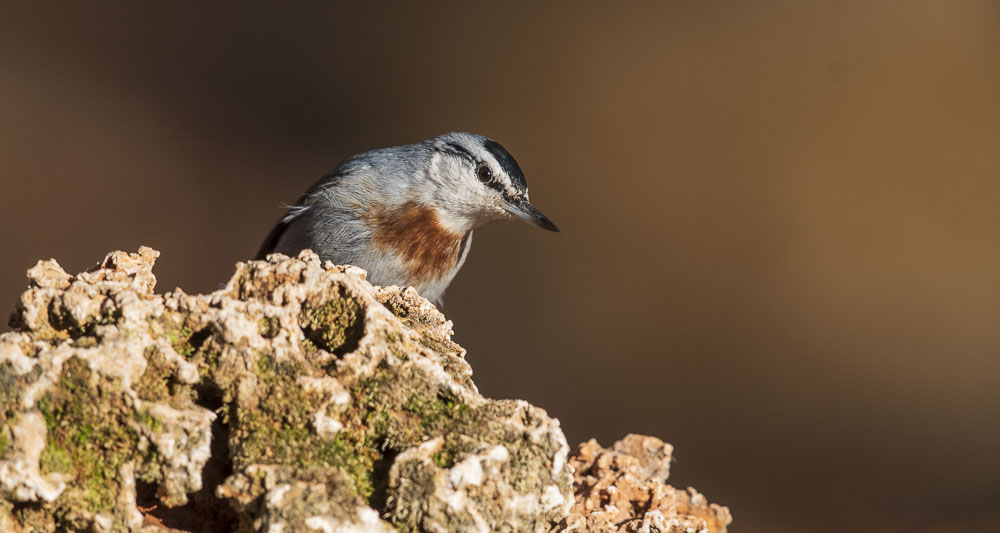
(406, 214)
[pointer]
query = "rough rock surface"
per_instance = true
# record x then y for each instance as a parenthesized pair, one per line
(296, 398)
(623, 490)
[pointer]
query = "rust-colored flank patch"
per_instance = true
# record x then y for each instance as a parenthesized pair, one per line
(414, 232)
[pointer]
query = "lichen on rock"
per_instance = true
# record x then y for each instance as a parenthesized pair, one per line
(297, 397)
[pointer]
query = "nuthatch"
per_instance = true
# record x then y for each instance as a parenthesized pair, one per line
(406, 214)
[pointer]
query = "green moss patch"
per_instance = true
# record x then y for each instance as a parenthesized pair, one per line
(11, 385)
(398, 408)
(92, 433)
(269, 327)
(9, 391)
(158, 382)
(179, 330)
(334, 323)
(4, 439)
(278, 429)
(394, 409)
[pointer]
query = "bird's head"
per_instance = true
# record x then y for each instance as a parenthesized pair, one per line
(472, 180)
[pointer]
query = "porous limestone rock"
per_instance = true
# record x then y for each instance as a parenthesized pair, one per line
(335, 406)
(296, 398)
(623, 490)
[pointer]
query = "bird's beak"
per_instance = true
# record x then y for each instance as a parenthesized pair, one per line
(523, 210)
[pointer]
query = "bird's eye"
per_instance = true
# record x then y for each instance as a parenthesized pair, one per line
(484, 173)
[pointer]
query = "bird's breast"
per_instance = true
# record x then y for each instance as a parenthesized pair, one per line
(414, 233)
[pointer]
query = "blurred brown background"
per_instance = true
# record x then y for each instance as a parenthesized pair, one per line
(781, 222)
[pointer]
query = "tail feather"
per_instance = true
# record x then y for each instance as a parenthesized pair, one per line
(271, 242)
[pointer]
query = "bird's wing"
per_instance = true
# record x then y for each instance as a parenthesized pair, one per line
(301, 206)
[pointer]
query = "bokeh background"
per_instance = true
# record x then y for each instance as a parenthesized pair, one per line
(780, 244)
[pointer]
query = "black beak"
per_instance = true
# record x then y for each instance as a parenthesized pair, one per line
(523, 210)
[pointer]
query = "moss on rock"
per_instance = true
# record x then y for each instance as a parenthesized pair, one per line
(332, 322)
(91, 436)
(159, 383)
(336, 402)
(278, 428)
(9, 399)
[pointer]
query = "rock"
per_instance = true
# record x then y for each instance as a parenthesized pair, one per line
(296, 398)
(623, 490)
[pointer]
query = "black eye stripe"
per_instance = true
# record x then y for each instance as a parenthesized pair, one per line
(498, 186)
